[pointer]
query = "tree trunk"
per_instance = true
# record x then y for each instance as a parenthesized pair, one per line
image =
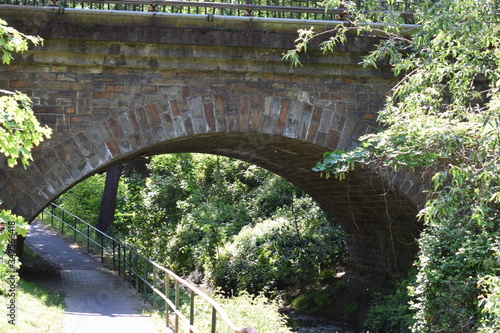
(108, 203)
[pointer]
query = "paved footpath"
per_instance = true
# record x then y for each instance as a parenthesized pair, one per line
(97, 300)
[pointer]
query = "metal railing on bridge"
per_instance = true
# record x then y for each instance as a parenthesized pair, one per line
(285, 9)
(157, 282)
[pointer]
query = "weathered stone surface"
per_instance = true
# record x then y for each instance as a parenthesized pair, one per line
(116, 86)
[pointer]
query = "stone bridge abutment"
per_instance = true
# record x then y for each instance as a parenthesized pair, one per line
(114, 86)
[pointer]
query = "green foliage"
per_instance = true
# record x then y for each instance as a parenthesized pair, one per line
(84, 199)
(443, 117)
(19, 128)
(280, 252)
(12, 41)
(37, 310)
(391, 312)
(19, 132)
(10, 227)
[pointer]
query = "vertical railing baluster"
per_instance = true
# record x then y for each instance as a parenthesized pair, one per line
(176, 317)
(167, 295)
(88, 238)
(114, 256)
(130, 266)
(191, 310)
(154, 285)
(145, 275)
(52, 216)
(214, 320)
(74, 230)
(102, 246)
(136, 273)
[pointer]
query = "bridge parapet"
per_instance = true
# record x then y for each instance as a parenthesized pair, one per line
(282, 9)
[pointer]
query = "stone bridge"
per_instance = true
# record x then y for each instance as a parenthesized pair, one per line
(115, 85)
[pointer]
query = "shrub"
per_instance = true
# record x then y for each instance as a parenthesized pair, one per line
(278, 253)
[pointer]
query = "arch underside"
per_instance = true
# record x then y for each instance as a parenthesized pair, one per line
(379, 220)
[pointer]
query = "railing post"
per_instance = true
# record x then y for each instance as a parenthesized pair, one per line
(214, 320)
(74, 230)
(167, 291)
(136, 274)
(191, 310)
(114, 261)
(102, 247)
(176, 322)
(62, 223)
(88, 238)
(144, 285)
(130, 267)
(154, 285)
(52, 215)
(121, 265)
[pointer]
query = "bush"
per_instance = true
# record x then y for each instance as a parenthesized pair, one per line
(278, 253)
(391, 312)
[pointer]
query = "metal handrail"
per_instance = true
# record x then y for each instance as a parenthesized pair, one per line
(303, 9)
(128, 266)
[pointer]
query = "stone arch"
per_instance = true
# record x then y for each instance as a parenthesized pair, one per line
(115, 86)
(285, 137)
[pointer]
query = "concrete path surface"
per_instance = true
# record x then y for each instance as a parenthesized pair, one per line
(97, 299)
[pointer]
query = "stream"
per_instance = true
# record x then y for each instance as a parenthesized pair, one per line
(309, 324)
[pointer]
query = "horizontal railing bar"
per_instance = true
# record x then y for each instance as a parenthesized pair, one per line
(78, 231)
(223, 6)
(220, 5)
(84, 222)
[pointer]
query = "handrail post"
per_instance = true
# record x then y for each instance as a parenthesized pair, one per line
(52, 215)
(176, 327)
(154, 285)
(88, 238)
(214, 320)
(74, 230)
(167, 291)
(114, 260)
(191, 310)
(136, 274)
(130, 267)
(121, 266)
(102, 246)
(145, 274)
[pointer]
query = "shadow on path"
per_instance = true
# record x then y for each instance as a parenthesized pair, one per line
(97, 299)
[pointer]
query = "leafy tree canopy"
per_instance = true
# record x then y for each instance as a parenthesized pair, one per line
(443, 117)
(19, 132)
(19, 129)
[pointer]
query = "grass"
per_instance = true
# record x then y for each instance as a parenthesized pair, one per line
(36, 310)
(245, 311)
